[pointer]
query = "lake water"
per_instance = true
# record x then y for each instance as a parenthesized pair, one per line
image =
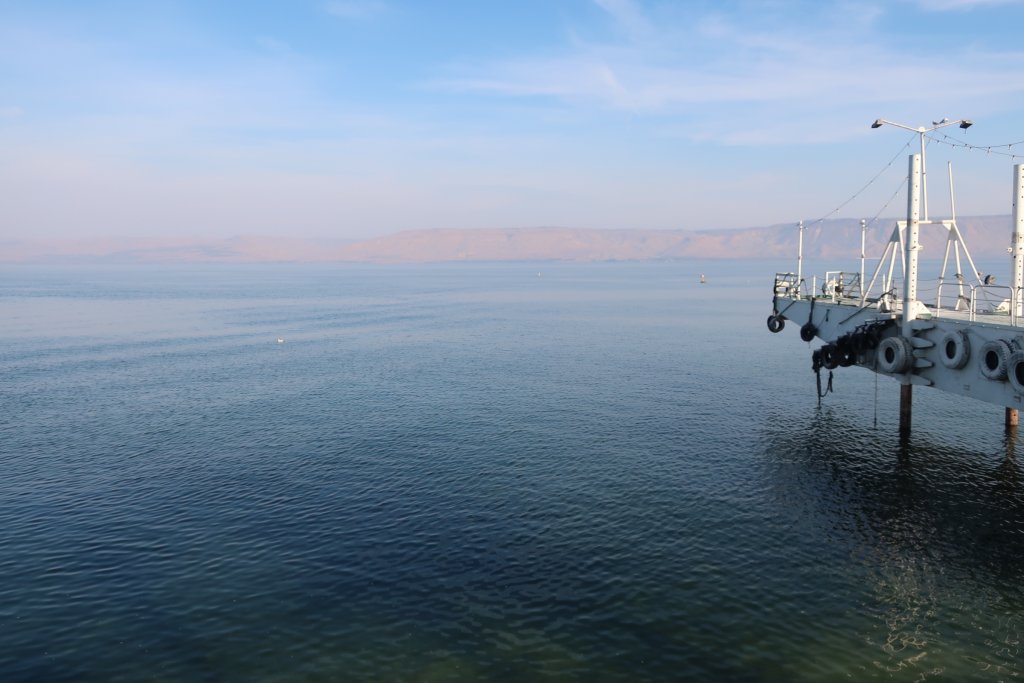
(480, 472)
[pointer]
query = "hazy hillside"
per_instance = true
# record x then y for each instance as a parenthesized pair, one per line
(987, 236)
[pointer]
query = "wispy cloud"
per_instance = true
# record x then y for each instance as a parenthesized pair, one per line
(264, 123)
(627, 15)
(356, 9)
(744, 82)
(962, 5)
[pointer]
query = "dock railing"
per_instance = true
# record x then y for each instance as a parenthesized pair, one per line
(994, 300)
(992, 303)
(788, 286)
(958, 296)
(839, 284)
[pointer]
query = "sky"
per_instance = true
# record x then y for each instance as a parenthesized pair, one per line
(349, 119)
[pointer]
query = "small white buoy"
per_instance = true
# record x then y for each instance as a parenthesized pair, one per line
(280, 340)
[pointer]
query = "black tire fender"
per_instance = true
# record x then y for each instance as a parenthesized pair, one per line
(994, 359)
(894, 355)
(954, 349)
(830, 356)
(1015, 371)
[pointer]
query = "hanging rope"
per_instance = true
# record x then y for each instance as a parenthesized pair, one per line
(903, 183)
(876, 401)
(988, 149)
(828, 387)
(944, 140)
(816, 366)
(866, 186)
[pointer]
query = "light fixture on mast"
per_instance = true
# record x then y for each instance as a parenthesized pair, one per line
(921, 132)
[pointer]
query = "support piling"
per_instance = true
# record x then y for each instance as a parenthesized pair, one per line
(1011, 418)
(906, 400)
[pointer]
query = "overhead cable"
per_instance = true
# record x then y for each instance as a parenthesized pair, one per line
(866, 186)
(988, 149)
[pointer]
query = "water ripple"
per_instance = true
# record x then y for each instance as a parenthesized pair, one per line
(476, 474)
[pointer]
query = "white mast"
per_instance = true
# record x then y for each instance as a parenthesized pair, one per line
(800, 260)
(863, 243)
(910, 302)
(922, 132)
(1018, 235)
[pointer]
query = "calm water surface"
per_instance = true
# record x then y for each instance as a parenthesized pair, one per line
(479, 473)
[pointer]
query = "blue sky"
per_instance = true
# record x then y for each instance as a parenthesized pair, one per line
(354, 118)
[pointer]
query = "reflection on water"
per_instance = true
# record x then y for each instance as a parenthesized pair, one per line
(934, 532)
(471, 473)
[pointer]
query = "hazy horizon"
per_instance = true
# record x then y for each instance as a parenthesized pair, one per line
(352, 119)
(829, 239)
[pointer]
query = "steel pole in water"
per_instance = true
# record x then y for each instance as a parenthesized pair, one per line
(1018, 236)
(1017, 249)
(910, 279)
(913, 245)
(906, 400)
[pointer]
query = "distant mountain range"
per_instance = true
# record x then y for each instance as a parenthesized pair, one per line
(986, 236)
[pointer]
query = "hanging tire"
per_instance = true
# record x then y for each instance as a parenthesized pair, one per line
(847, 357)
(872, 338)
(776, 323)
(808, 332)
(1015, 371)
(994, 359)
(954, 349)
(894, 355)
(829, 357)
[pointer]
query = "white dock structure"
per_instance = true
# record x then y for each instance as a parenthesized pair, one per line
(965, 337)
